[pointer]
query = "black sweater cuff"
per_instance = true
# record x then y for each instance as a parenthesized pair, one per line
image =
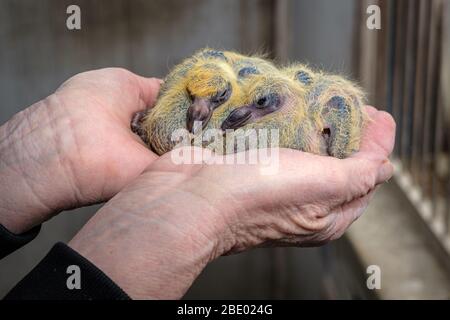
(10, 242)
(51, 279)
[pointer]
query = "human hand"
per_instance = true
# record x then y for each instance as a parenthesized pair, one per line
(73, 148)
(157, 234)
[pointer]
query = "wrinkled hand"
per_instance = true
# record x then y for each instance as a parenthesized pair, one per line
(156, 235)
(73, 148)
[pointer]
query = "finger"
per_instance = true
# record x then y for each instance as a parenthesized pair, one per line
(378, 135)
(185, 160)
(354, 209)
(145, 92)
(370, 111)
(148, 90)
(330, 180)
(370, 166)
(350, 213)
(361, 175)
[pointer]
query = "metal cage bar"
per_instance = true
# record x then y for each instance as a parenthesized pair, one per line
(415, 89)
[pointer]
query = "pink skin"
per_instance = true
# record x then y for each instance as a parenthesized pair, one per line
(73, 148)
(156, 235)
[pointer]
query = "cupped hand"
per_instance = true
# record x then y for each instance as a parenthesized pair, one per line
(73, 148)
(313, 199)
(162, 229)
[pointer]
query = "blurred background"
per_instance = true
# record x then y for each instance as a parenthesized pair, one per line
(404, 67)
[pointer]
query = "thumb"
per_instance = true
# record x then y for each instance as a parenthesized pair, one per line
(379, 134)
(362, 175)
(148, 90)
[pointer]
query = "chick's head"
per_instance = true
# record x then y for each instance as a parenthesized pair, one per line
(209, 85)
(267, 98)
(274, 102)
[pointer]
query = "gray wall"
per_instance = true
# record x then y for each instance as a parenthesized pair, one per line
(322, 33)
(38, 53)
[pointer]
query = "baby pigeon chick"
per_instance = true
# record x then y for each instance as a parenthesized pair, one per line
(248, 70)
(324, 116)
(191, 93)
(335, 107)
(275, 102)
(313, 111)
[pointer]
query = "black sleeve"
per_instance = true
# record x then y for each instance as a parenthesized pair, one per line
(52, 280)
(10, 242)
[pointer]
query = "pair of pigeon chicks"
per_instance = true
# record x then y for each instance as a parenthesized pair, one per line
(312, 111)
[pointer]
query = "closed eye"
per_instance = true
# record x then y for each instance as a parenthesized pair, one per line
(222, 96)
(271, 100)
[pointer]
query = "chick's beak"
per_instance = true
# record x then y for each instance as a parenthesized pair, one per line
(237, 118)
(198, 114)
